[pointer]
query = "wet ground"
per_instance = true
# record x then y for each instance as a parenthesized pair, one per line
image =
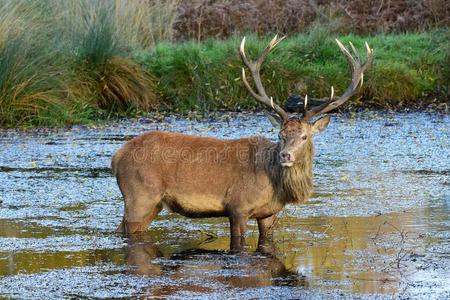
(377, 226)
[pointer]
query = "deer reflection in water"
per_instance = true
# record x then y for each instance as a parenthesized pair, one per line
(245, 270)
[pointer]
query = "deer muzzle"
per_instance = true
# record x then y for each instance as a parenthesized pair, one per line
(286, 159)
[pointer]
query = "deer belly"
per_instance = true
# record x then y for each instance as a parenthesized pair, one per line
(195, 205)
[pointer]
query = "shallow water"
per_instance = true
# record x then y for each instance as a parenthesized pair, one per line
(377, 226)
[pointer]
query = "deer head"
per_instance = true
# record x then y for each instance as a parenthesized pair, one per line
(296, 130)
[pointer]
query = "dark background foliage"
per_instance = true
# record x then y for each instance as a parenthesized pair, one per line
(200, 19)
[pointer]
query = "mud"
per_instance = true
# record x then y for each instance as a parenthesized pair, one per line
(377, 226)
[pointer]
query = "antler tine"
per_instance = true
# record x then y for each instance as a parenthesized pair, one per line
(273, 43)
(357, 77)
(255, 67)
(354, 50)
(369, 58)
(243, 55)
(351, 60)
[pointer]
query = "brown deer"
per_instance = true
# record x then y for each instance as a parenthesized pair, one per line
(240, 179)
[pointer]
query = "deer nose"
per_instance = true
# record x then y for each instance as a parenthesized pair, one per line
(286, 156)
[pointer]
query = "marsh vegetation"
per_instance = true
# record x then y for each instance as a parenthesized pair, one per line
(76, 62)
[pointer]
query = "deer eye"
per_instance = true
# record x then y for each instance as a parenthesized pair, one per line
(304, 137)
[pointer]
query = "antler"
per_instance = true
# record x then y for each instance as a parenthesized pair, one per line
(254, 68)
(357, 77)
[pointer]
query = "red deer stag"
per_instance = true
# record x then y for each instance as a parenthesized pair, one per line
(239, 179)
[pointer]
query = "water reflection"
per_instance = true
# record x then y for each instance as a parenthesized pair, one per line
(362, 254)
(216, 267)
(356, 254)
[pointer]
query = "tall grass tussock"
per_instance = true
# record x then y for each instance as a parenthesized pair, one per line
(71, 62)
(28, 81)
(103, 71)
(65, 62)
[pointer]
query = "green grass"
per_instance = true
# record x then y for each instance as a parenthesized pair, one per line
(407, 67)
(76, 62)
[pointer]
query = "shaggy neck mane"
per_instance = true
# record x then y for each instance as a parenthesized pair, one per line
(293, 184)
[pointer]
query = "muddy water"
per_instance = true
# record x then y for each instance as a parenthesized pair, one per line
(377, 226)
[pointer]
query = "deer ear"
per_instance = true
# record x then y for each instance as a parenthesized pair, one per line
(320, 125)
(274, 119)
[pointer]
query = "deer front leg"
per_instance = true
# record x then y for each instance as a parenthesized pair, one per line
(238, 224)
(265, 226)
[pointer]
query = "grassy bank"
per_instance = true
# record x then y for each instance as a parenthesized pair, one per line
(407, 68)
(76, 62)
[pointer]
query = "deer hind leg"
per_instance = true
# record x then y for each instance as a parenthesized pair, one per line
(141, 207)
(133, 221)
(131, 224)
